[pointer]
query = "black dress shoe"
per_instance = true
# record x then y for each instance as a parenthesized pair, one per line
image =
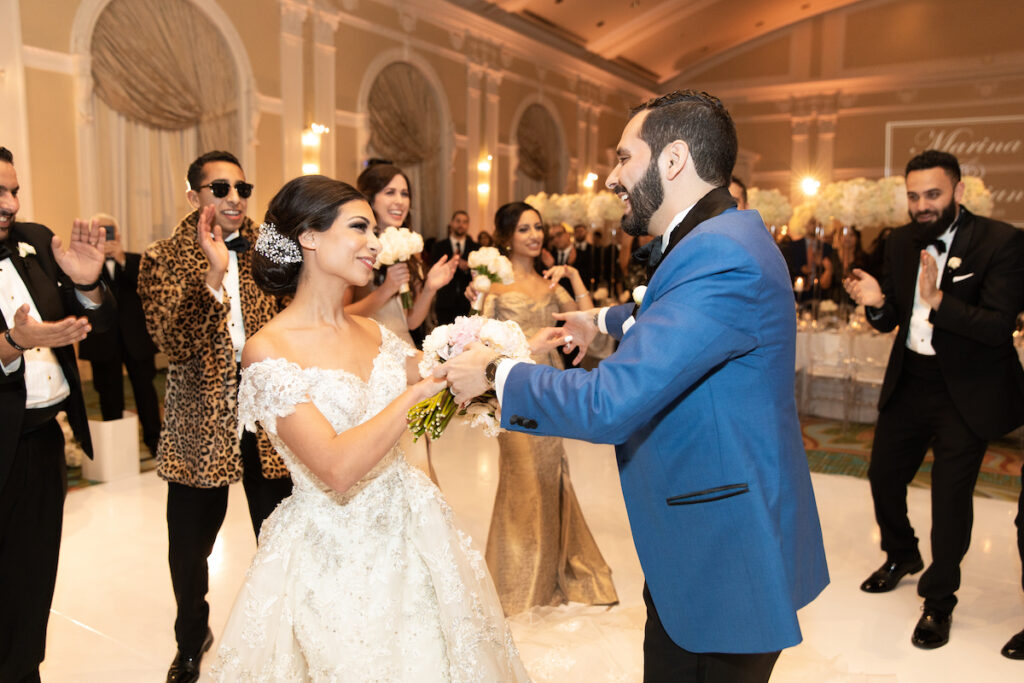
(885, 578)
(932, 629)
(1014, 648)
(186, 669)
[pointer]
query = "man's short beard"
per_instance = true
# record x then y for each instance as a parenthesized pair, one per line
(644, 199)
(933, 229)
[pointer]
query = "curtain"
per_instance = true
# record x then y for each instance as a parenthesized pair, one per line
(405, 127)
(539, 152)
(163, 64)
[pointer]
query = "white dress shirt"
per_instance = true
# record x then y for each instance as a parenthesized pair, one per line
(458, 247)
(236, 326)
(45, 383)
(919, 333)
(505, 366)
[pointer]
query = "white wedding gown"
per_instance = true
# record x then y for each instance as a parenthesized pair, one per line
(374, 584)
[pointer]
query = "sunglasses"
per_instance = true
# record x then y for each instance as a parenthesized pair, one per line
(221, 188)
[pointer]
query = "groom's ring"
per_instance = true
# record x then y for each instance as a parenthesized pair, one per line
(568, 339)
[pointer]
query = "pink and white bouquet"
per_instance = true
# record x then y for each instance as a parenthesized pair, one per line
(490, 266)
(447, 341)
(398, 245)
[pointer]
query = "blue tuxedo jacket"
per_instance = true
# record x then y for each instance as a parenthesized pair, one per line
(699, 402)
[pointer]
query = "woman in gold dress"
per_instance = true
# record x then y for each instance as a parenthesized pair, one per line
(539, 549)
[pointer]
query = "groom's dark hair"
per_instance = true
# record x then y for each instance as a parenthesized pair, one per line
(702, 122)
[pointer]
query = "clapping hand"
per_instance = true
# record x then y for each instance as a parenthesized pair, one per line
(928, 282)
(211, 241)
(441, 273)
(864, 289)
(83, 260)
(31, 333)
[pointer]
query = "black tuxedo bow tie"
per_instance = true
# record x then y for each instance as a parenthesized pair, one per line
(650, 253)
(239, 244)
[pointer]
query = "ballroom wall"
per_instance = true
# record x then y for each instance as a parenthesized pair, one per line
(857, 91)
(313, 60)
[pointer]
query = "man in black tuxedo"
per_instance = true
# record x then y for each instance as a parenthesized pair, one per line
(586, 260)
(129, 344)
(51, 298)
(451, 300)
(1014, 648)
(953, 282)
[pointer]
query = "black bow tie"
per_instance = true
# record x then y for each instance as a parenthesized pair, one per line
(650, 253)
(239, 244)
(5, 251)
(939, 245)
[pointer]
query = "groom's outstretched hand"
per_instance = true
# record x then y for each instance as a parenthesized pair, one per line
(465, 372)
(580, 329)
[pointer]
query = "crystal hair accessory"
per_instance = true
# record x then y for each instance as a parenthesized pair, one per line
(276, 247)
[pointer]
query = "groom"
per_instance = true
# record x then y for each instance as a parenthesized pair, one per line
(698, 400)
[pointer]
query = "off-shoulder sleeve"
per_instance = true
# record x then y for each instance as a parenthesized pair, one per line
(270, 389)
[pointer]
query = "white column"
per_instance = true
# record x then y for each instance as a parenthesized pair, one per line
(473, 77)
(293, 16)
(491, 140)
(324, 55)
(800, 155)
(14, 112)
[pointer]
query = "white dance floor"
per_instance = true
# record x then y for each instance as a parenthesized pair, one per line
(113, 612)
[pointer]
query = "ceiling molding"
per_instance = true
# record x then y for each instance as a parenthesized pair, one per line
(640, 29)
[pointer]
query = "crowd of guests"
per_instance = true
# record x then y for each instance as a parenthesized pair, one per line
(194, 297)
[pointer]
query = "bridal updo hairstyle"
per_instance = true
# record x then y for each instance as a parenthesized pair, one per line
(309, 202)
(376, 177)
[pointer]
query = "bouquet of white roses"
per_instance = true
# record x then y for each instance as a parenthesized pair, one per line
(447, 341)
(396, 246)
(489, 266)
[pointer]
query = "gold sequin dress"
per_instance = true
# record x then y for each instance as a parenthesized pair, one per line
(539, 549)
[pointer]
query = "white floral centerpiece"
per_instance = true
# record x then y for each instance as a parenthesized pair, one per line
(490, 266)
(605, 207)
(774, 208)
(398, 245)
(505, 337)
(540, 201)
(977, 198)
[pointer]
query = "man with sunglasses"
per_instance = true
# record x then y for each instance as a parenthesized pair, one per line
(201, 304)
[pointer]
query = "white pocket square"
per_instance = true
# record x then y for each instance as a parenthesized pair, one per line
(958, 278)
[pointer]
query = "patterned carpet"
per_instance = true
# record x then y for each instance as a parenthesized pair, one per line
(830, 447)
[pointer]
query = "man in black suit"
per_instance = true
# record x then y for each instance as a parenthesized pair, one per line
(129, 344)
(586, 260)
(51, 297)
(953, 283)
(451, 300)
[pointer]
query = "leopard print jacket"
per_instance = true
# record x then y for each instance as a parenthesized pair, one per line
(199, 443)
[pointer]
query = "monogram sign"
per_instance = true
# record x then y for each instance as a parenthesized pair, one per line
(991, 148)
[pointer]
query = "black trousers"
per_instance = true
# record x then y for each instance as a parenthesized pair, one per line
(31, 518)
(919, 414)
(106, 377)
(666, 662)
(1020, 527)
(194, 517)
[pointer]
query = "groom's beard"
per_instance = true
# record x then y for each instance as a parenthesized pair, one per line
(929, 230)
(644, 199)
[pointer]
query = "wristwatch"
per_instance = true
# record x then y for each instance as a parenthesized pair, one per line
(491, 369)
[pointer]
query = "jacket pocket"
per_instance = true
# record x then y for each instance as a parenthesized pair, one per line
(709, 495)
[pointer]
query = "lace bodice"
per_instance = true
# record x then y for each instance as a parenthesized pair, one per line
(272, 388)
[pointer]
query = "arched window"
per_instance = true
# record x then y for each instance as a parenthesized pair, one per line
(539, 153)
(405, 127)
(166, 88)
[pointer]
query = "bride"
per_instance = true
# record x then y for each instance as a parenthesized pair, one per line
(360, 574)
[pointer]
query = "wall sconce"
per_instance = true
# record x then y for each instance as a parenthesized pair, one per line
(483, 188)
(810, 186)
(311, 148)
(589, 180)
(484, 166)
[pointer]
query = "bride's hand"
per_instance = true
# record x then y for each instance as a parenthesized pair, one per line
(427, 387)
(548, 339)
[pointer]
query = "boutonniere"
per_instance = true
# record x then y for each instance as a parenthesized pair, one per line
(953, 263)
(638, 294)
(24, 249)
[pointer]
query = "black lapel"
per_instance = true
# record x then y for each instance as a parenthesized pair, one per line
(710, 205)
(962, 237)
(39, 284)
